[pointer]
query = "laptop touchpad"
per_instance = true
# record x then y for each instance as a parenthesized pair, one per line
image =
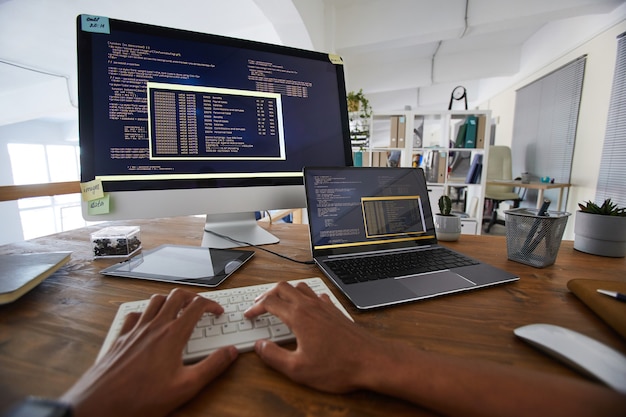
(436, 283)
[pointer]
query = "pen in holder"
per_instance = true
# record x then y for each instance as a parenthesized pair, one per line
(532, 240)
(533, 237)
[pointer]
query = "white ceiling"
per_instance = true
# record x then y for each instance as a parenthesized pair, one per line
(387, 45)
(431, 46)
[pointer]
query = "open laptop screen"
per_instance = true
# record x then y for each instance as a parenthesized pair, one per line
(361, 207)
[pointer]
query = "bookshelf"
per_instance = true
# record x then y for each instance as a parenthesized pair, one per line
(431, 140)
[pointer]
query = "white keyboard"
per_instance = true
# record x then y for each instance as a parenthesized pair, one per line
(230, 328)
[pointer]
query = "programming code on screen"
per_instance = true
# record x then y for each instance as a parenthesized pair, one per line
(168, 102)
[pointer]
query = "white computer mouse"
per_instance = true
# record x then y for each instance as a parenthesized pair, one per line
(581, 352)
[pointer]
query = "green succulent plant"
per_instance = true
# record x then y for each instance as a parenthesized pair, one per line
(445, 205)
(608, 208)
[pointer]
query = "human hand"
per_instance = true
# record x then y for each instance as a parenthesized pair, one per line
(337, 356)
(332, 353)
(143, 373)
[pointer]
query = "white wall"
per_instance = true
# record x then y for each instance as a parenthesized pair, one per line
(600, 51)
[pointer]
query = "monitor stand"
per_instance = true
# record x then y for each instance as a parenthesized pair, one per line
(238, 226)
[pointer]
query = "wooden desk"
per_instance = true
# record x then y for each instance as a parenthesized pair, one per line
(536, 185)
(50, 336)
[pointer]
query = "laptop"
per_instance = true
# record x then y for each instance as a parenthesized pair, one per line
(361, 216)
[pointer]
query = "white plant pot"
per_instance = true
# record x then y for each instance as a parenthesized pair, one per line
(448, 228)
(600, 235)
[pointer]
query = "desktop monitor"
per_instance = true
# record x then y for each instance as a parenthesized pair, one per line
(173, 122)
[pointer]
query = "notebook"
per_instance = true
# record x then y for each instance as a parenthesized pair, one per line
(358, 214)
(21, 272)
(612, 311)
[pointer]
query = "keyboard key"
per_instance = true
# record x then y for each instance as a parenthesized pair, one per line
(236, 316)
(245, 325)
(212, 331)
(280, 330)
(206, 320)
(206, 345)
(229, 328)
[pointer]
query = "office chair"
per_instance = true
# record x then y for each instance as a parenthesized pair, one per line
(499, 167)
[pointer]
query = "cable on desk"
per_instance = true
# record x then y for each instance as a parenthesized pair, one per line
(239, 242)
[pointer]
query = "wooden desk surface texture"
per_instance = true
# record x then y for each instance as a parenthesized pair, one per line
(50, 336)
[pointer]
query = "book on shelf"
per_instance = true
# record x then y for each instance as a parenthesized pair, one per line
(393, 137)
(473, 175)
(470, 132)
(442, 166)
(365, 159)
(481, 126)
(379, 159)
(401, 131)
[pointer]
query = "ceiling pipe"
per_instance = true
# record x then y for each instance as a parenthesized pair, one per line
(44, 72)
(432, 60)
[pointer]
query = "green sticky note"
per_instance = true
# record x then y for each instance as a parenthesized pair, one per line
(96, 24)
(99, 206)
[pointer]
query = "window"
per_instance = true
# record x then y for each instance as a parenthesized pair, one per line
(544, 133)
(613, 163)
(37, 163)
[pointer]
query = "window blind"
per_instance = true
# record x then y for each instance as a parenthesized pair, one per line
(611, 181)
(544, 130)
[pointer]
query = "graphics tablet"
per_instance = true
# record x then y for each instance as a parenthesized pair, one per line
(192, 265)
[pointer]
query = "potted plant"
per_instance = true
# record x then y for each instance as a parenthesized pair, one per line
(601, 230)
(447, 225)
(359, 112)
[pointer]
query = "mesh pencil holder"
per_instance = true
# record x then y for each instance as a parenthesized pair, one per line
(534, 240)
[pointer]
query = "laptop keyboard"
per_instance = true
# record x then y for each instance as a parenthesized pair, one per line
(230, 328)
(392, 265)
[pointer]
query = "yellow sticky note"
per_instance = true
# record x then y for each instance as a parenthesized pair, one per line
(98, 206)
(335, 59)
(91, 190)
